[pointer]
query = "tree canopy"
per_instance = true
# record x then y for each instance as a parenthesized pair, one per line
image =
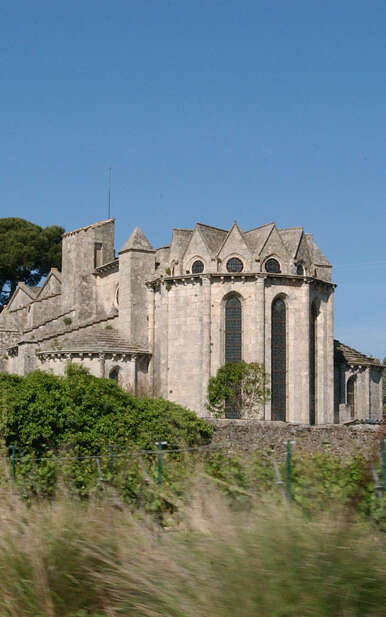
(28, 251)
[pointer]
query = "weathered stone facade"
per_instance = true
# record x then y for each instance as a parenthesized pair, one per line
(163, 321)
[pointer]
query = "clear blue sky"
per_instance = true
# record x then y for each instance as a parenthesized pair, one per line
(205, 110)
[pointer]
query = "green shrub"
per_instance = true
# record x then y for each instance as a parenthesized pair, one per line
(241, 385)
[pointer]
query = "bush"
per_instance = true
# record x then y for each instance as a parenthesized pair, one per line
(42, 412)
(242, 386)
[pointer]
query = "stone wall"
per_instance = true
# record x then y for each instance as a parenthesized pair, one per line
(251, 435)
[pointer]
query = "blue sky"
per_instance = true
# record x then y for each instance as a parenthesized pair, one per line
(205, 110)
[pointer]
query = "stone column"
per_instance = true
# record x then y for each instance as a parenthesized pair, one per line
(164, 343)
(304, 398)
(260, 318)
(132, 371)
(329, 415)
(260, 324)
(102, 365)
(205, 340)
(150, 300)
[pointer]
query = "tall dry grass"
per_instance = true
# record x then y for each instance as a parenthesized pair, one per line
(67, 558)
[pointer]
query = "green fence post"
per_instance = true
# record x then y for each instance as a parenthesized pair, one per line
(13, 462)
(160, 445)
(383, 451)
(289, 470)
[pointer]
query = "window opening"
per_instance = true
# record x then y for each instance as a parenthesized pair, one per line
(235, 265)
(313, 318)
(351, 395)
(98, 257)
(233, 342)
(114, 373)
(278, 360)
(272, 265)
(197, 267)
(232, 330)
(300, 269)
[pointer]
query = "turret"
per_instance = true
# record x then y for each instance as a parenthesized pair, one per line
(136, 266)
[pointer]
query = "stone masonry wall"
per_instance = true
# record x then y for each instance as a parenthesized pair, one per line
(252, 435)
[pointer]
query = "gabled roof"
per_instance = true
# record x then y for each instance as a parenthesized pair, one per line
(349, 355)
(53, 273)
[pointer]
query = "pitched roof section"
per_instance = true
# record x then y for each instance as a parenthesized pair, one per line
(291, 238)
(257, 237)
(213, 237)
(316, 254)
(87, 227)
(344, 353)
(137, 241)
(98, 340)
(179, 243)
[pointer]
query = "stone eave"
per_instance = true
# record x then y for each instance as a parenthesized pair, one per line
(112, 266)
(134, 250)
(236, 276)
(92, 353)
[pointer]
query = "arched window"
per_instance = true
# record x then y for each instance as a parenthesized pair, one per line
(197, 267)
(351, 395)
(299, 269)
(313, 364)
(114, 373)
(232, 330)
(234, 265)
(272, 265)
(278, 360)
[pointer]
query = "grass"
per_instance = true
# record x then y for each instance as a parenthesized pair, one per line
(219, 558)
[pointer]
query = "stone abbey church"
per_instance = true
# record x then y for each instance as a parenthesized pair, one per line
(162, 321)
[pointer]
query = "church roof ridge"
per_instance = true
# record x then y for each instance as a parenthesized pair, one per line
(212, 227)
(290, 228)
(259, 227)
(87, 227)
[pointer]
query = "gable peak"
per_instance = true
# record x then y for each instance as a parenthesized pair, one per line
(137, 241)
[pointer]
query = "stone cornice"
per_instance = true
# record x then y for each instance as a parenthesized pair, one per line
(239, 276)
(112, 266)
(102, 355)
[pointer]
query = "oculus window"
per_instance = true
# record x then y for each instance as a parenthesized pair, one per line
(235, 265)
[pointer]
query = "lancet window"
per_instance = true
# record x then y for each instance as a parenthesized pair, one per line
(278, 360)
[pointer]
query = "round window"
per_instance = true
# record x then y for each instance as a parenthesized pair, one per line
(272, 265)
(197, 267)
(234, 265)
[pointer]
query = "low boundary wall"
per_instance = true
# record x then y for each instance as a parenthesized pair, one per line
(251, 435)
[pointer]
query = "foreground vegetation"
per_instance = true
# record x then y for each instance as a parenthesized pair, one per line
(97, 558)
(95, 524)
